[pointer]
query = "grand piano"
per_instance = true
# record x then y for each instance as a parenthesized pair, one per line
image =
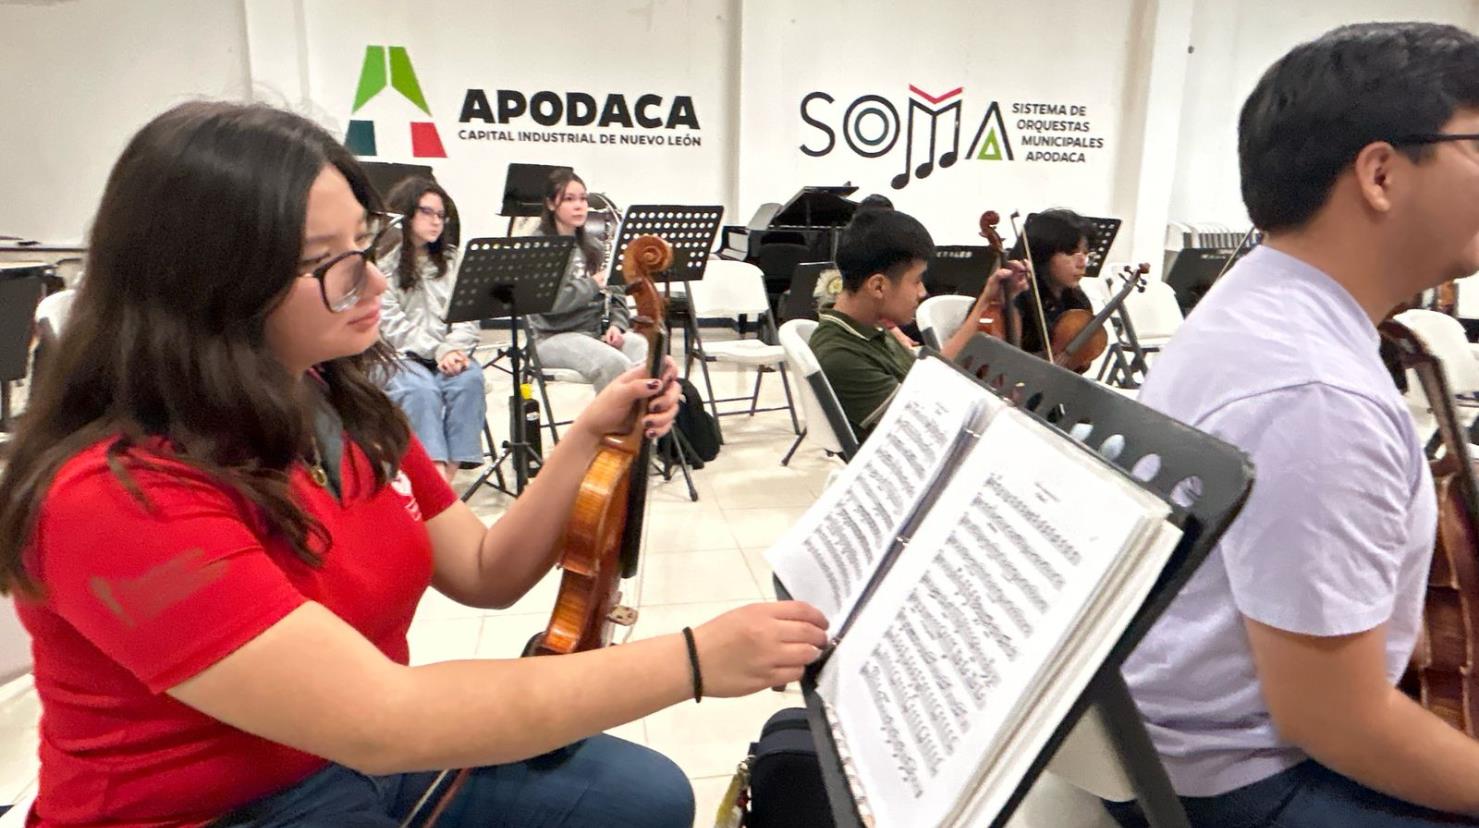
(804, 229)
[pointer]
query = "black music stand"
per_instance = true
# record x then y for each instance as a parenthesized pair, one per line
(1061, 399)
(523, 191)
(690, 231)
(21, 290)
(800, 301)
(1194, 269)
(384, 175)
(960, 269)
(512, 278)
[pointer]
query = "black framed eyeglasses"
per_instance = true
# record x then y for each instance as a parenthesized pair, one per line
(1435, 138)
(342, 278)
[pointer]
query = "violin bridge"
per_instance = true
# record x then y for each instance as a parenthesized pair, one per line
(622, 616)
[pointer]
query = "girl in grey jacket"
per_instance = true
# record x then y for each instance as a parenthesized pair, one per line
(587, 330)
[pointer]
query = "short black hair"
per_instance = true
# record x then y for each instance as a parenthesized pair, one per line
(881, 241)
(1051, 232)
(1315, 109)
(876, 201)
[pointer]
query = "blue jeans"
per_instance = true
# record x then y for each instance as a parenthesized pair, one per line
(1308, 795)
(601, 782)
(445, 412)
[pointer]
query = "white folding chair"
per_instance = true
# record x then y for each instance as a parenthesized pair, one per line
(1155, 314)
(826, 425)
(732, 289)
(1444, 336)
(940, 316)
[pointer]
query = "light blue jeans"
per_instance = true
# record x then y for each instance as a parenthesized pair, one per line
(445, 412)
(601, 782)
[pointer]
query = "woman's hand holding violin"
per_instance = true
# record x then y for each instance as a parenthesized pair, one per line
(608, 413)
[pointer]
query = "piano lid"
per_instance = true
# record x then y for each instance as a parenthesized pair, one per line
(817, 207)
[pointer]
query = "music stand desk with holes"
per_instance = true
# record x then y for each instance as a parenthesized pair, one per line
(512, 278)
(1057, 397)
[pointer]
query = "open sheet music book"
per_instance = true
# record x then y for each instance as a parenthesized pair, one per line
(976, 567)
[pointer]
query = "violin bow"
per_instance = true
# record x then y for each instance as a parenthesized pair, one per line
(1042, 318)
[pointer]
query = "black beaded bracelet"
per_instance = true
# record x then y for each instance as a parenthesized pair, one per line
(698, 677)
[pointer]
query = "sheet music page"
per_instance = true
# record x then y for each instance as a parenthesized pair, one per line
(1030, 728)
(941, 659)
(827, 558)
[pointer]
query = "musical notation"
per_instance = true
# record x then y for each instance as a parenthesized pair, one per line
(947, 159)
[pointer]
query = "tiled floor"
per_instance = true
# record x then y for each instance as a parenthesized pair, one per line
(701, 558)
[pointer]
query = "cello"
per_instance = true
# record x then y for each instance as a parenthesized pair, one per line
(1443, 674)
(1078, 335)
(603, 534)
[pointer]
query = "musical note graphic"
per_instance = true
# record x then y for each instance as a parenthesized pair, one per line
(949, 157)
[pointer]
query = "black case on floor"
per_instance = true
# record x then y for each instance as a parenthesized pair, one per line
(786, 788)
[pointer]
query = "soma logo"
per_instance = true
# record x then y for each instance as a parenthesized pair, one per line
(390, 66)
(871, 127)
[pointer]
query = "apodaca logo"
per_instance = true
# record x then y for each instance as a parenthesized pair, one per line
(391, 66)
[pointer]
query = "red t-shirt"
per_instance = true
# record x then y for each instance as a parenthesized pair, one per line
(137, 600)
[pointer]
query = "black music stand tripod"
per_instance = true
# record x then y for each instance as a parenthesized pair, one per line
(690, 231)
(510, 278)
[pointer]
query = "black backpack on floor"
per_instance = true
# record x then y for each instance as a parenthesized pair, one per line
(695, 429)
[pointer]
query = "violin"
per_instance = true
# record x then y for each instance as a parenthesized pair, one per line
(1443, 674)
(999, 320)
(604, 531)
(1079, 336)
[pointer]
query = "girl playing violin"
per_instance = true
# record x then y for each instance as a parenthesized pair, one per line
(1060, 255)
(218, 530)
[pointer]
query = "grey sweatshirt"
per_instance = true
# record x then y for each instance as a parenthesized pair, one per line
(414, 320)
(581, 305)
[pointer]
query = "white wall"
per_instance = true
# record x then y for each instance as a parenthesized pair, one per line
(82, 75)
(1234, 43)
(632, 47)
(80, 78)
(850, 48)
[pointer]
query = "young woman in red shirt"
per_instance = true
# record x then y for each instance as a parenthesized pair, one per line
(218, 530)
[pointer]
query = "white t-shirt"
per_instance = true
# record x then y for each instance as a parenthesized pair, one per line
(1336, 537)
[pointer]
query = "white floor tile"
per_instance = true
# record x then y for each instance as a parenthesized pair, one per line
(693, 577)
(444, 640)
(759, 528)
(687, 527)
(504, 635)
(760, 570)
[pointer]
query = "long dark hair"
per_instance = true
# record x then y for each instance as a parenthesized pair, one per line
(197, 240)
(594, 253)
(405, 198)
